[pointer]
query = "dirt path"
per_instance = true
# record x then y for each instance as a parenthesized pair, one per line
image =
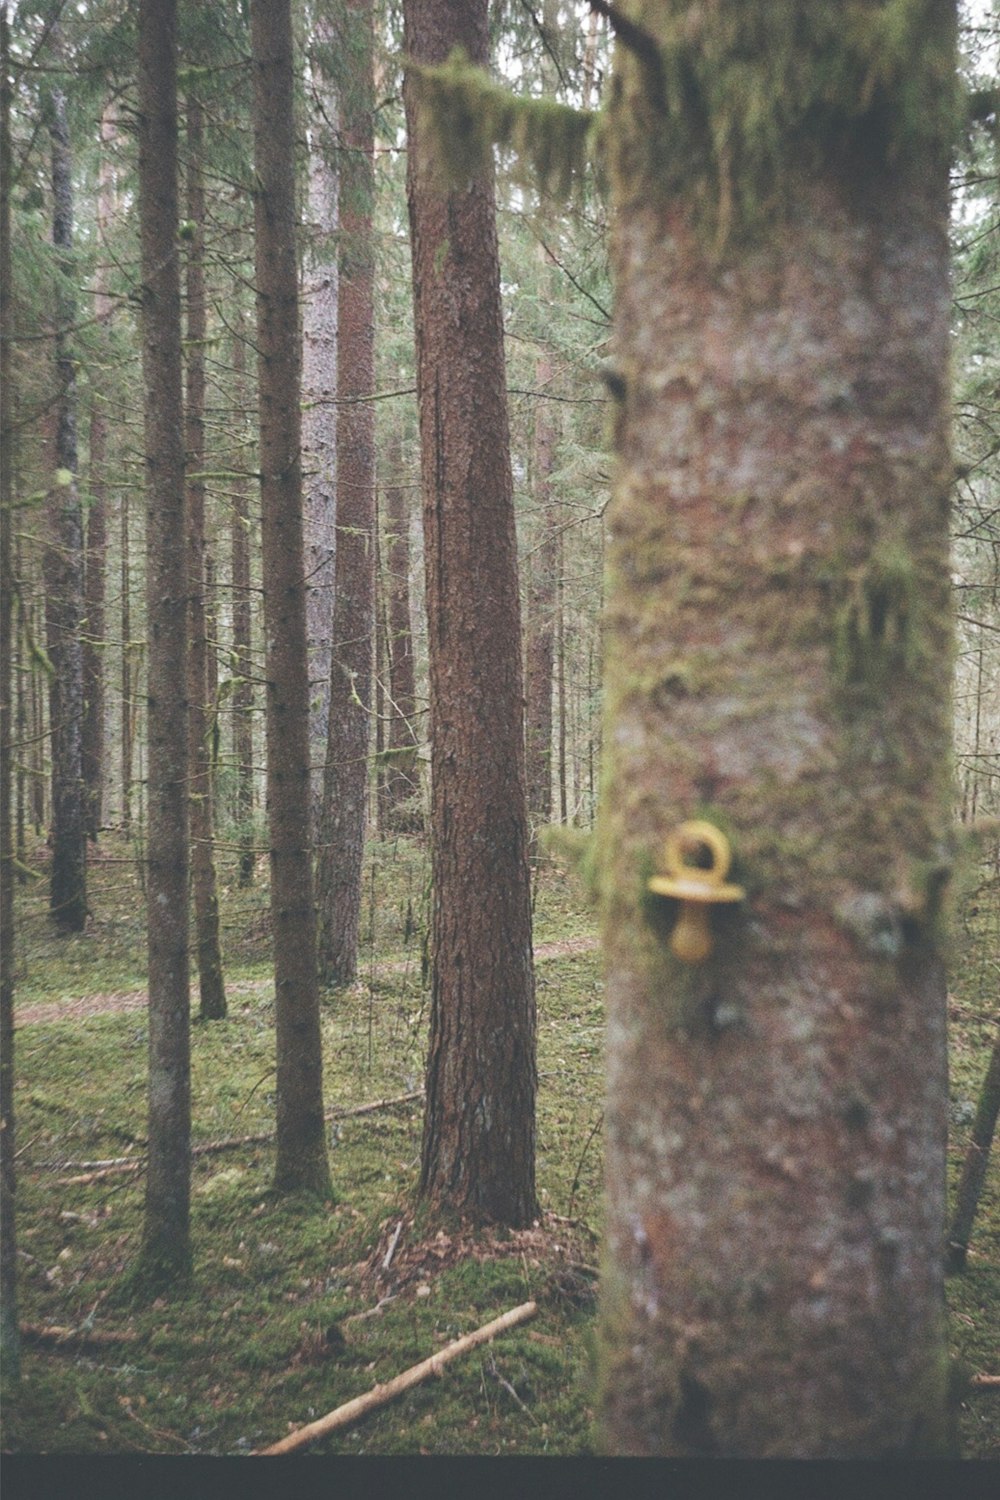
(47, 1012)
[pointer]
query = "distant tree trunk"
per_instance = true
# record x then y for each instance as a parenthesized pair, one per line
(778, 663)
(319, 391)
(10, 1351)
(211, 985)
(974, 1167)
(402, 770)
(128, 675)
(478, 1154)
(540, 634)
(63, 566)
(242, 641)
(301, 1141)
(165, 1258)
(345, 787)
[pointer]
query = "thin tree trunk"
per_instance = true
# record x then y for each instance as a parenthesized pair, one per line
(319, 392)
(165, 1257)
(301, 1141)
(10, 1350)
(345, 786)
(92, 749)
(211, 985)
(63, 564)
(540, 641)
(404, 812)
(778, 661)
(128, 686)
(974, 1167)
(478, 1154)
(242, 640)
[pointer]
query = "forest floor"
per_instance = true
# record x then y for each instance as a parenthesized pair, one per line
(297, 1306)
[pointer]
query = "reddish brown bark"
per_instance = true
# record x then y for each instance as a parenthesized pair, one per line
(479, 1125)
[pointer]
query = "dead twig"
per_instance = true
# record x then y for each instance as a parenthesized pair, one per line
(50, 1334)
(381, 1395)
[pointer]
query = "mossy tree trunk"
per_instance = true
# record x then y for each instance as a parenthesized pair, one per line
(243, 667)
(478, 1153)
(778, 662)
(165, 1257)
(301, 1161)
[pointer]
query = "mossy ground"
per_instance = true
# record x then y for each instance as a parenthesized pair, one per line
(292, 1309)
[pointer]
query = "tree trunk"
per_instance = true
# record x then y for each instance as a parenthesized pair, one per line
(242, 638)
(478, 1155)
(92, 748)
(9, 1333)
(63, 565)
(778, 663)
(540, 635)
(345, 786)
(166, 1249)
(301, 1142)
(974, 1167)
(404, 812)
(319, 392)
(129, 682)
(211, 985)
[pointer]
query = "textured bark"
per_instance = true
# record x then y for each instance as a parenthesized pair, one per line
(539, 649)
(63, 568)
(301, 1141)
(10, 1353)
(242, 640)
(129, 667)
(211, 986)
(95, 563)
(319, 392)
(401, 776)
(166, 1247)
(345, 784)
(778, 661)
(479, 1124)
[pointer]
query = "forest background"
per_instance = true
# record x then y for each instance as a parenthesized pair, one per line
(309, 1305)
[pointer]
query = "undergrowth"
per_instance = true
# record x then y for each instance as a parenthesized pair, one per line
(298, 1305)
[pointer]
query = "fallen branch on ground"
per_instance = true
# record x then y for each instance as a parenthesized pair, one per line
(985, 1382)
(208, 1148)
(380, 1395)
(37, 1333)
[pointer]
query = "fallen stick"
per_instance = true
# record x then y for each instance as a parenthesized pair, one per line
(985, 1382)
(381, 1395)
(115, 1165)
(37, 1333)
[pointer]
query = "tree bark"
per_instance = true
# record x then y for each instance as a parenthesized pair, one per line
(301, 1142)
(211, 985)
(778, 662)
(401, 777)
(345, 786)
(540, 634)
(478, 1154)
(92, 747)
(63, 566)
(10, 1350)
(319, 393)
(243, 694)
(165, 1257)
(974, 1167)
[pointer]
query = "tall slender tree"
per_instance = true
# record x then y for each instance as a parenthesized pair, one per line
(63, 559)
(301, 1140)
(243, 695)
(778, 663)
(478, 1154)
(165, 1257)
(9, 1332)
(345, 786)
(401, 773)
(211, 985)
